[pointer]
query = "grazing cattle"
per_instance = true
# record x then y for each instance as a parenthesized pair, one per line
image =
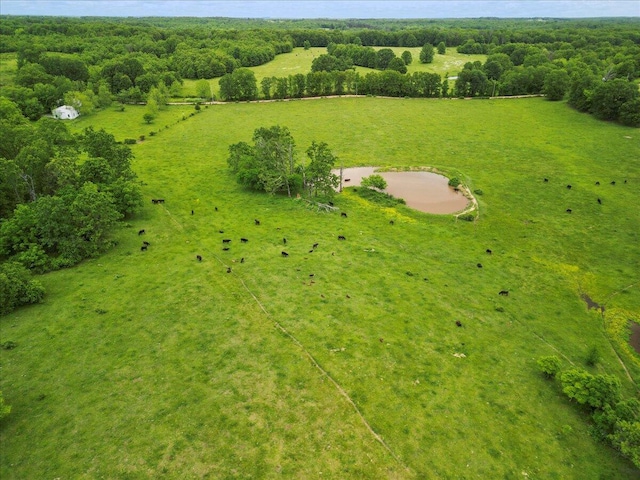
(157, 200)
(504, 293)
(569, 187)
(613, 183)
(546, 180)
(458, 323)
(143, 248)
(141, 232)
(343, 215)
(199, 257)
(341, 237)
(600, 201)
(284, 241)
(220, 231)
(625, 181)
(330, 204)
(244, 240)
(256, 221)
(597, 183)
(146, 243)
(225, 249)
(391, 222)
(315, 245)
(215, 208)
(228, 269)
(311, 251)
(569, 210)
(226, 240)
(242, 260)
(381, 340)
(312, 274)
(489, 251)
(284, 254)
(479, 265)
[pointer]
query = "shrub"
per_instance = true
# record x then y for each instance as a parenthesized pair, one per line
(142, 138)
(550, 365)
(129, 141)
(593, 390)
(478, 192)
(467, 217)
(17, 287)
(454, 182)
(593, 356)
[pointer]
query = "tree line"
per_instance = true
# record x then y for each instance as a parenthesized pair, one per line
(91, 62)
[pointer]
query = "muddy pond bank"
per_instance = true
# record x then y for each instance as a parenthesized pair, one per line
(424, 191)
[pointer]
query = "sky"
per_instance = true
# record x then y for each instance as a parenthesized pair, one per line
(337, 9)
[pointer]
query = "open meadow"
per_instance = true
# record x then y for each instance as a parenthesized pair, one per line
(343, 361)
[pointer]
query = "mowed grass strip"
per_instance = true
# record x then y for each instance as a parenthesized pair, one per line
(152, 363)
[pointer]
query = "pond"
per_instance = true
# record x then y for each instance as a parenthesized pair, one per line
(424, 191)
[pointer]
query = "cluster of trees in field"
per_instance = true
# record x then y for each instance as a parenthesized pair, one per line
(91, 62)
(616, 420)
(61, 194)
(271, 164)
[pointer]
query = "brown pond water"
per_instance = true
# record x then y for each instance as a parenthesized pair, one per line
(424, 191)
(634, 340)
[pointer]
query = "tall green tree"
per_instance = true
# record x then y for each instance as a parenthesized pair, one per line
(426, 54)
(318, 178)
(239, 85)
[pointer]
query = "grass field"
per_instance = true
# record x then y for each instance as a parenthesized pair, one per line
(153, 365)
(300, 60)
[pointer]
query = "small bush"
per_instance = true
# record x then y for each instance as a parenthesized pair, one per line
(478, 192)
(593, 356)
(454, 182)
(467, 217)
(151, 134)
(129, 141)
(142, 138)
(17, 287)
(550, 366)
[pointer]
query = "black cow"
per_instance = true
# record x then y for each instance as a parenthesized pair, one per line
(599, 201)
(569, 210)
(225, 249)
(226, 240)
(146, 243)
(228, 269)
(220, 231)
(315, 245)
(215, 208)
(284, 254)
(341, 237)
(569, 187)
(597, 183)
(489, 251)
(256, 221)
(343, 215)
(546, 180)
(157, 200)
(458, 323)
(391, 222)
(613, 183)
(479, 265)
(199, 257)
(244, 240)
(242, 260)
(143, 248)
(347, 179)
(331, 204)
(284, 240)
(504, 293)
(141, 232)
(191, 212)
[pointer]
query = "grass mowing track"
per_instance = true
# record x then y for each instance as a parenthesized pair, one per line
(150, 364)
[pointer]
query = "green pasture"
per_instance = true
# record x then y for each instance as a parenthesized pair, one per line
(154, 365)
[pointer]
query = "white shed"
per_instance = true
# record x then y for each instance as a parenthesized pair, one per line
(65, 112)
